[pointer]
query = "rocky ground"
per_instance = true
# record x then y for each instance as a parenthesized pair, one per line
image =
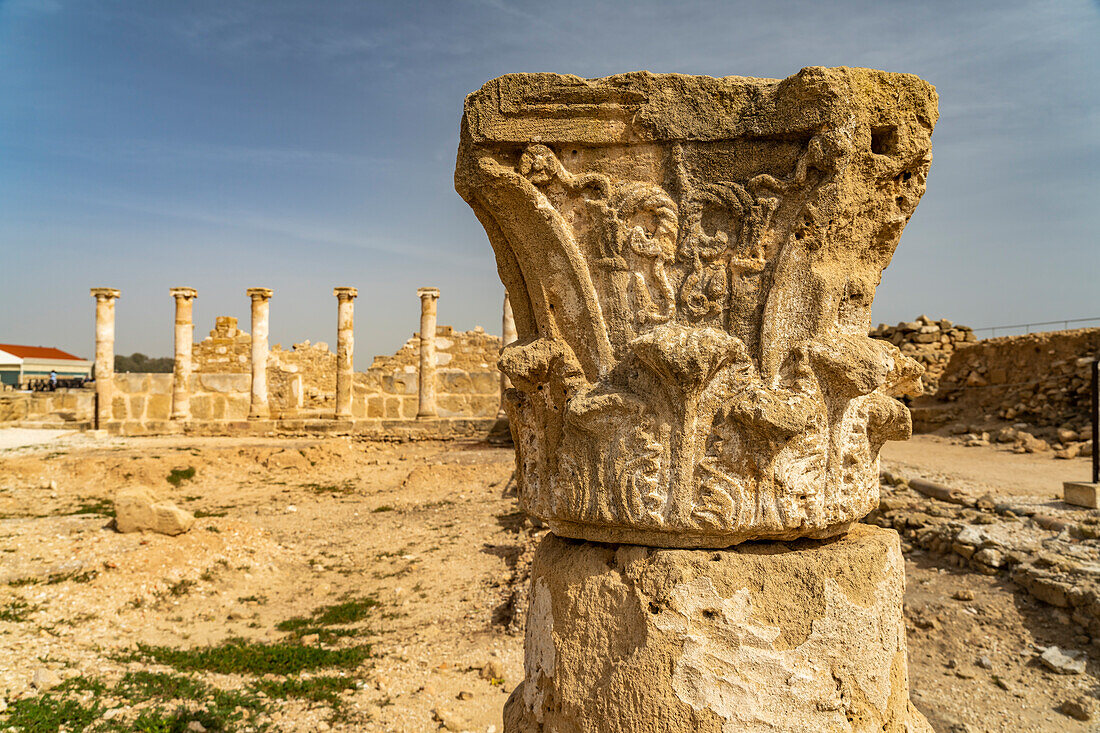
(347, 585)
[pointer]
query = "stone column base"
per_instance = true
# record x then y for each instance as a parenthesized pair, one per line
(768, 636)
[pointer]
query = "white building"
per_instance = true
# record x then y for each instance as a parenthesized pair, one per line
(22, 364)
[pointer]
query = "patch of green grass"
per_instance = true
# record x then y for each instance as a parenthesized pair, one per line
(252, 599)
(16, 611)
(325, 688)
(181, 588)
(79, 576)
(200, 514)
(349, 612)
(178, 475)
(50, 712)
(94, 505)
(237, 656)
(383, 508)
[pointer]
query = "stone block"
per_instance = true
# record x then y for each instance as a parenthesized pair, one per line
(376, 406)
(393, 407)
(808, 636)
(485, 382)
(158, 406)
(225, 382)
(201, 407)
(1081, 493)
(452, 405)
(119, 407)
(453, 380)
(140, 510)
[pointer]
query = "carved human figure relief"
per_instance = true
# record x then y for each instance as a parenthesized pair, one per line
(691, 263)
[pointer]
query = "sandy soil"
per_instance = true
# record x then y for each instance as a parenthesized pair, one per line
(430, 532)
(981, 469)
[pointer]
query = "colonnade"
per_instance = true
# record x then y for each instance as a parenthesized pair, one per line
(258, 402)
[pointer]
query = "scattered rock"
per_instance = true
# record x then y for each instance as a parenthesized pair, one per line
(465, 695)
(287, 459)
(985, 662)
(196, 727)
(1061, 662)
(310, 639)
(45, 679)
(139, 510)
(1079, 708)
(449, 719)
(492, 670)
(964, 594)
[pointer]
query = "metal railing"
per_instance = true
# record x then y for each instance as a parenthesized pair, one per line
(1028, 326)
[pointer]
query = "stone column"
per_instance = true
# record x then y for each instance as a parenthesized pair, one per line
(428, 299)
(693, 371)
(258, 408)
(345, 349)
(104, 354)
(507, 336)
(181, 371)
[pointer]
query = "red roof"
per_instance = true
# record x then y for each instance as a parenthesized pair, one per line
(37, 352)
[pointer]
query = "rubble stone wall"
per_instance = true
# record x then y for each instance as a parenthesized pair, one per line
(1041, 379)
(467, 380)
(932, 343)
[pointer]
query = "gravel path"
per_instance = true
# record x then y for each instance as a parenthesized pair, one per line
(20, 437)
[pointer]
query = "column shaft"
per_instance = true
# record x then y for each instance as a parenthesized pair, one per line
(104, 353)
(345, 349)
(181, 372)
(258, 408)
(428, 298)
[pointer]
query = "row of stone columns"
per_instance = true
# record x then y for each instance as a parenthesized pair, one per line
(258, 404)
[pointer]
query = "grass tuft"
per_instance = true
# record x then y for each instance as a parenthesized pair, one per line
(237, 656)
(178, 475)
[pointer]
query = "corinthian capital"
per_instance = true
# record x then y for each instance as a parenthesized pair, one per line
(691, 263)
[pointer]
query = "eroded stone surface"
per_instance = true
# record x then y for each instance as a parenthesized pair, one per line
(762, 637)
(140, 510)
(691, 263)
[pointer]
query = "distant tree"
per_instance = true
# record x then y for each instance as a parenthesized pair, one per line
(139, 362)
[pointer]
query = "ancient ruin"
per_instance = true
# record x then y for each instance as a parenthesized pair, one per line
(104, 353)
(691, 263)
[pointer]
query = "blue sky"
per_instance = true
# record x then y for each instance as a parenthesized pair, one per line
(303, 145)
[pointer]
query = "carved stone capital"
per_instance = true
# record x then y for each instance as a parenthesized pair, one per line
(259, 293)
(345, 293)
(105, 293)
(691, 263)
(184, 293)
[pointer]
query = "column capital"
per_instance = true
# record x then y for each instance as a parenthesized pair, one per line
(428, 293)
(183, 292)
(259, 293)
(345, 293)
(105, 293)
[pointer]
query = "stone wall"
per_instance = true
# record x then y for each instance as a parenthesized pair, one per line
(1041, 379)
(226, 349)
(63, 407)
(931, 343)
(301, 383)
(467, 380)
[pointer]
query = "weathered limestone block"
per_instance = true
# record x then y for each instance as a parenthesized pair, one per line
(761, 637)
(691, 263)
(139, 510)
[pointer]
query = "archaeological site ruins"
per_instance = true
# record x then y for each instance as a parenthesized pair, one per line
(688, 488)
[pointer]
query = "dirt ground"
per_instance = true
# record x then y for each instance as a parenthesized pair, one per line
(348, 585)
